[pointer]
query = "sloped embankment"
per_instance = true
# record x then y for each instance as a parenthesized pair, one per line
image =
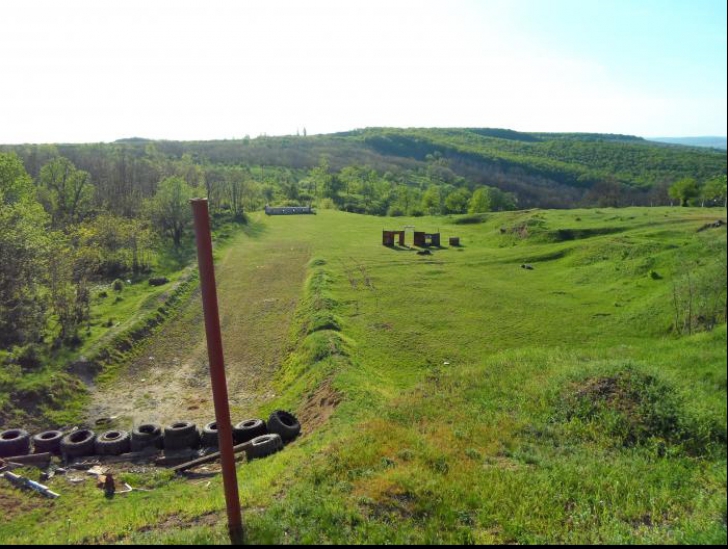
(58, 396)
(322, 351)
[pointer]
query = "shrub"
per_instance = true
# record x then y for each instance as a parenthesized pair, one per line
(28, 357)
(118, 285)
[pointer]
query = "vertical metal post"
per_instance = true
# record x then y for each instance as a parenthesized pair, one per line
(217, 367)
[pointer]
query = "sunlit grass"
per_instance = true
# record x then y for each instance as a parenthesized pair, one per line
(458, 372)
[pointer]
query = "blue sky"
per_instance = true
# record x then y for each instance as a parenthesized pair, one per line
(85, 70)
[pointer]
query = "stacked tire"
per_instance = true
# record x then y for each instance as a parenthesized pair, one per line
(181, 435)
(79, 443)
(264, 446)
(247, 430)
(282, 427)
(210, 435)
(48, 441)
(284, 424)
(147, 435)
(113, 443)
(14, 442)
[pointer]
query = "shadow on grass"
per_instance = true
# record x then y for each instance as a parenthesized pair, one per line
(172, 259)
(255, 229)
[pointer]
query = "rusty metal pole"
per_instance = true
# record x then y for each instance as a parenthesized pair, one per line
(217, 367)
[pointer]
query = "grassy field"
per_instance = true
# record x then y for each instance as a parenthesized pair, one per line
(456, 397)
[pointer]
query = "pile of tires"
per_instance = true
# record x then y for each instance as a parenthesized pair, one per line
(266, 438)
(282, 427)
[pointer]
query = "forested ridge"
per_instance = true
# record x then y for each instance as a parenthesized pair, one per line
(384, 171)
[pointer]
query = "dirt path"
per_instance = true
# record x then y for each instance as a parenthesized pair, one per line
(258, 289)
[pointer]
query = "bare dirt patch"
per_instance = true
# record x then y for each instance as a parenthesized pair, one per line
(319, 406)
(258, 292)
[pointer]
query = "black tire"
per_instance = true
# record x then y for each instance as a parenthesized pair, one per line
(146, 435)
(48, 441)
(210, 435)
(249, 429)
(113, 443)
(264, 446)
(181, 435)
(14, 442)
(78, 444)
(284, 424)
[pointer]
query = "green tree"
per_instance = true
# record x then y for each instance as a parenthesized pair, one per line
(170, 211)
(685, 190)
(237, 183)
(715, 190)
(68, 283)
(320, 176)
(23, 252)
(65, 191)
(112, 245)
(491, 199)
(432, 201)
(480, 201)
(457, 201)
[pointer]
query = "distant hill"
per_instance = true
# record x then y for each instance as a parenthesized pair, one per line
(544, 170)
(713, 142)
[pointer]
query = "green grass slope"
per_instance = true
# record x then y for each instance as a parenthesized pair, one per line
(458, 397)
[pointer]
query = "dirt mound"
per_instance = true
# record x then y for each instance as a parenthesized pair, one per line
(632, 408)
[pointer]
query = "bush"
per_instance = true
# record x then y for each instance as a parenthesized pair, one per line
(471, 219)
(326, 204)
(28, 357)
(118, 285)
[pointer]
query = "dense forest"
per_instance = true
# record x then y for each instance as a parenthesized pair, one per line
(71, 215)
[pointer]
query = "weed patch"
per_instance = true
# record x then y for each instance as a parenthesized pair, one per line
(631, 408)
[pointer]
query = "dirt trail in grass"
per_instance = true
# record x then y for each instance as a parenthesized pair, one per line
(258, 289)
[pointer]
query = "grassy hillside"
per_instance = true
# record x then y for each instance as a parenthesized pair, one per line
(456, 397)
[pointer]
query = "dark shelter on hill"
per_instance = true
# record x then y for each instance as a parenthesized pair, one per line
(423, 240)
(388, 238)
(289, 210)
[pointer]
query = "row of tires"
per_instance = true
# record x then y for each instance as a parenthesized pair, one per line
(281, 428)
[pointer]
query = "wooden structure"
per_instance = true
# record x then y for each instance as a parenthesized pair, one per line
(424, 240)
(388, 238)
